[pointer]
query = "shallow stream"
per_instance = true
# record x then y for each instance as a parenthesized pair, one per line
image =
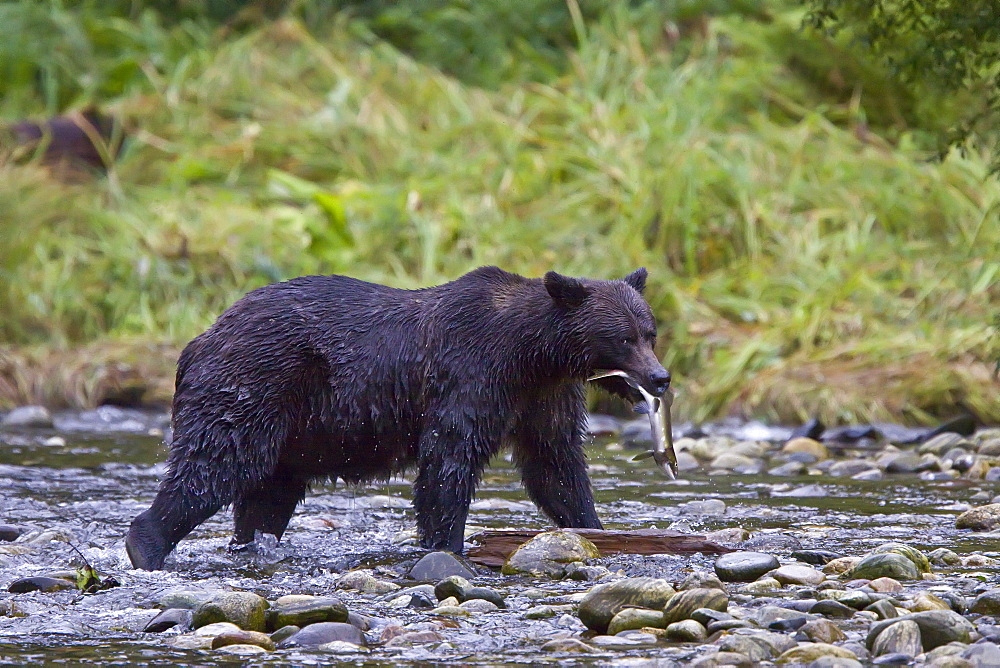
(81, 483)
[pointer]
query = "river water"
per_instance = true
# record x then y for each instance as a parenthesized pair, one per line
(77, 487)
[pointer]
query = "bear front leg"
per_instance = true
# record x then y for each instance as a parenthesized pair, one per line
(549, 451)
(451, 459)
(268, 506)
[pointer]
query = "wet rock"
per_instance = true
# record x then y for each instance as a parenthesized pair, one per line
(883, 609)
(39, 583)
(760, 586)
(806, 445)
(925, 601)
(767, 615)
(628, 619)
(453, 585)
(603, 602)
(853, 597)
(245, 609)
(479, 605)
(242, 650)
(851, 467)
(987, 603)
(243, 638)
(899, 638)
(548, 553)
(436, 566)
(684, 603)
(942, 443)
(788, 469)
(706, 616)
(822, 630)
(546, 611)
(900, 462)
(916, 556)
(744, 566)
(886, 585)
(302, 610)
(835, 662)
(214, 629)
(580, 571)
(186, 598)
(772, 543)
(981, 518)
(322, 633)
(730, 536)
(717, 659)
(937, 627)
(803, 491)
(798, 574)
(815, 557)
(758, 646)
(10, 532)
(944, 557)
(283, 633)
(168, 619)
(727, 624)
(28, 417)
(832, 609)
(808, 652)
(485, 594)
(365, 582)
(701, 580)
(687, 630)
(410, 638)
(873, 475)
(887, 564)
(191, 642)
(342, 647)
(567, 646)
(712, 507)
(982, 654)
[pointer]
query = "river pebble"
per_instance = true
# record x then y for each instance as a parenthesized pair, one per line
(435, 566)
(548, 553)
(244, 609)
(322, 633)
(744, 566)
(302, 610)
(604, 601)
(798, 574)
(900, 638)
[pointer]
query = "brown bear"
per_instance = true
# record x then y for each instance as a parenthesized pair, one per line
(330, 376)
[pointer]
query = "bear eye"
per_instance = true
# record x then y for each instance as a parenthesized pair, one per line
(629, 341)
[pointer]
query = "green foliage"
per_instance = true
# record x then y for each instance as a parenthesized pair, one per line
(801, 262)
(934, 46)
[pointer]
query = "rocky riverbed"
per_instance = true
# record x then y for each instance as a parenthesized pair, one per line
(846, 551)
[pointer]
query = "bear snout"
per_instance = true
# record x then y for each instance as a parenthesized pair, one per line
(659, 381)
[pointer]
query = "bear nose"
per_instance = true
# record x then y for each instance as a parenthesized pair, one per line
(660, 380)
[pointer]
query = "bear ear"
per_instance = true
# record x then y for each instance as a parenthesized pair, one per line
(565, 290)
(637, 279)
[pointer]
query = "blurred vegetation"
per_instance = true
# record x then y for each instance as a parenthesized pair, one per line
(808, 256)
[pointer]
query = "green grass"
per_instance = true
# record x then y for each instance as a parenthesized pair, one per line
(806, 256)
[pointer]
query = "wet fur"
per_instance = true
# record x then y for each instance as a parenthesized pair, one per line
(331, 376)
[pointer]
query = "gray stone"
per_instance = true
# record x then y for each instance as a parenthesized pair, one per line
(628, 619)
(811, 651)
(706, 616)
(851, 467)
(902, 462)
(485, 594)
(365, 582)
(168, 619)
(727, 624)
(872, 475)
(453, 585)
(9, 532)
(822, 630)
(758, 646)
(884, 609)
(987, 603)
(772, 542)
(603, 602)
(687, 630)
(717, 659)
(888, 564)
(28, 417)
(436, 566)
(937, 627)
(683, 604)
(186, 598)
(39, 583)
(832, 609)
(788, 469)
(798, 574)
(284, 632)
(242, 608)
(241, 637)
(769, 614)
(325, 632)
(855, 598)
(828, 661)
(713, 507)
(981, 518)
(548, 553)
(567, 646)
(899, 638)
(744, 566)
(479, 605)
(302, 610)
(983, 654)
(701, 580)
(579, 571)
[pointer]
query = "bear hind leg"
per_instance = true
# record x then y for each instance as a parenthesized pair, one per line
(268, 506)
